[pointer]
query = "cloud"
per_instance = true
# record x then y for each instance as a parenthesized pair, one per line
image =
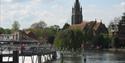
(1, 18)
(92, 12)
(122, 3)
(30, 12)
(6, 1)
(51, 11)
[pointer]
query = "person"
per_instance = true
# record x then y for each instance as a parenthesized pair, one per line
(84, 59)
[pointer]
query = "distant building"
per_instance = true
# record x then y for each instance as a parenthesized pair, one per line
(121, 30)
(25, 35)
(113, 29)
(77, 13)
(92, 27)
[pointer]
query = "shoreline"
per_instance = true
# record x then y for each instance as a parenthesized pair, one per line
(114, 50)
(122, 50)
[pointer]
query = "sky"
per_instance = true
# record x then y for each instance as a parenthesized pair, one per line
(57, 12)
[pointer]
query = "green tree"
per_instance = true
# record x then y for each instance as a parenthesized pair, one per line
(44, 35)
(55, 27)
(1, 30)
(102, 41)
(37, 32)
(76, 39)
(15, 26)
(66, 26)
(39, 25)
(69, 39)
(7, 31)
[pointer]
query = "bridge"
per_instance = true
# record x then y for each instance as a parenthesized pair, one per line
(25, 45)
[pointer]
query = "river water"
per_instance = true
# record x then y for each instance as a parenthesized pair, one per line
(92, 56)
(95, 56)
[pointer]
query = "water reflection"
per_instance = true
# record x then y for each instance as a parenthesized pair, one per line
(95, 57)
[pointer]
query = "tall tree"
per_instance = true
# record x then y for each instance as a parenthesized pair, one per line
(69, 39)
(39, 25)
(15, 26)
(66, 26)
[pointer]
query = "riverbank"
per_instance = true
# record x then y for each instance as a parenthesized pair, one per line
(116, 50)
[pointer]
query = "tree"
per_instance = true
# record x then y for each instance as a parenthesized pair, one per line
(76, 39)
(7, 31)
(1, 30)
(15, 26)
(66, 26)
(39, 25)
(69, 39)
(49, 34)
(63, 39)
(55, 27)
(46, 35)
(101, 41)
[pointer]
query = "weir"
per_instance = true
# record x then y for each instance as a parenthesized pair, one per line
(21, 45)
(49, 56)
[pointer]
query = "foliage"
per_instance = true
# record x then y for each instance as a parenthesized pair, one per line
(1, 30)
(47, 34)
(102, 41)
(39, 25)
(66, 26)
(37, 32)
(55, 27)
(69, 39)
(15, 26)
(5, 31)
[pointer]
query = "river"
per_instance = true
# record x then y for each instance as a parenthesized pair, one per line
(95, 56)
(92, 56)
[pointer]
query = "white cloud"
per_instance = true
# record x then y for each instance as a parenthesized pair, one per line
(6, 1)
(2, 18)
(123, 3)
(92, 12)
(31, 12)
(51, 12)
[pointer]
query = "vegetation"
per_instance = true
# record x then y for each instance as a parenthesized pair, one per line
(15, 26)
(66, 26)
(101, 41)
(69, 39)
(39, 25)
(5, 31)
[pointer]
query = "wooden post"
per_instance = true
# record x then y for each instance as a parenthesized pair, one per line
(54, 56)
(1, 58)
(39, 58)
(15, 57)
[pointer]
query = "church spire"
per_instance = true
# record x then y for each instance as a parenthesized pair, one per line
(76, 13)
(77, 4)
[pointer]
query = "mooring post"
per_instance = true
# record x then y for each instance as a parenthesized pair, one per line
(1, 58)
(54, 55)
(15, 57)
(39, 58)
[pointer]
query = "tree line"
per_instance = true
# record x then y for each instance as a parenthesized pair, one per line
(66, 38)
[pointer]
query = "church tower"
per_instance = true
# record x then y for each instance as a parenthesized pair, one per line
(77, 13)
